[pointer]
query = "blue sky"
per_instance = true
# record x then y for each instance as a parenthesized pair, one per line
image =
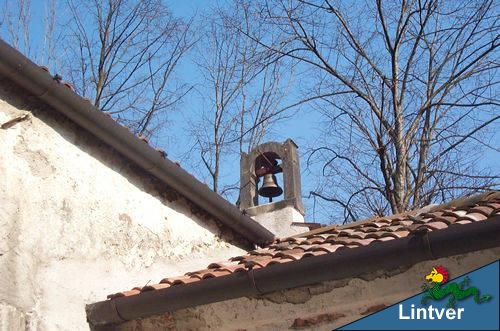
(302, 127)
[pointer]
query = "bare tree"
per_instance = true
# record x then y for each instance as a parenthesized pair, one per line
(16, 22)
(50, 35)
(219, 61)
(19, 27)
(122, 54)
(244, 93)
(409, 91)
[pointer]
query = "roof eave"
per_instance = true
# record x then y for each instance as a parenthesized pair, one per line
(40, 83)
(458, 239)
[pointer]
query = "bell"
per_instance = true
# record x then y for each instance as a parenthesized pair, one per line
(270, 187)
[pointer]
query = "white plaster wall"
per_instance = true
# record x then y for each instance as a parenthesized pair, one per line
(324, 307)
(76, 223)
(280, 221)
(11, 318)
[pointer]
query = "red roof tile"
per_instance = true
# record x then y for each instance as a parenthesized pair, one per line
(332, 239)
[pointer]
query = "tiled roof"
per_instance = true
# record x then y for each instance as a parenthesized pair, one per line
(332, 239)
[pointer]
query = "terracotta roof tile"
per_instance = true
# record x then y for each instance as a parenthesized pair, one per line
(306, 247)
(346, 233)
(327, 247)
(294, 254)
(418, 228)
(179, 280)
(394, 228)
(380, 239)
(376, 224)
(314, 253)
(367, 229)
(403, 222)
(317, 239)
(289, 240)
(216, 273)
(154, 287)
(485, 210)
(455, 213)
(237, 258)
(261, 263)
(123, 294)
(464, 221)
(234, 268)
(385, 235)
(448, 217)
(332, 239)
(437, 225)
(494, 205)
(263, 252)
(477, 216)
(401, 233)
(374, 235)
(214, 265)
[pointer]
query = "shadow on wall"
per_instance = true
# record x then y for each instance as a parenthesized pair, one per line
(110, 158)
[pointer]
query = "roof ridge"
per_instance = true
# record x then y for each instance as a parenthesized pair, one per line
(456, 203)
(468, 201)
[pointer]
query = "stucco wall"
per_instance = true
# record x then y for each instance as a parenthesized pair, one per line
(78, 222)
(324, 306)
(279, 221)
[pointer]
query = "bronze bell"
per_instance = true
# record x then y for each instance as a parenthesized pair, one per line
(270, 187)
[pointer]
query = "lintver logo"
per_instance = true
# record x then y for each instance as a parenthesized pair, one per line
(439, 276)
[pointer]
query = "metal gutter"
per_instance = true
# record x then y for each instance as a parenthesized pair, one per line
(40, 83)
(456, 239)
